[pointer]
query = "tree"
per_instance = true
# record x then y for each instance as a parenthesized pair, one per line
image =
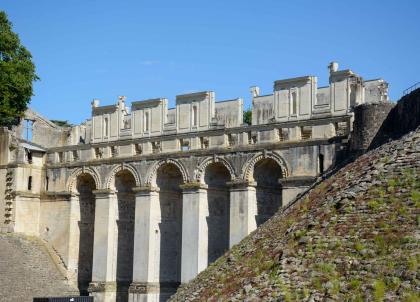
(248, 116)
(17, 72)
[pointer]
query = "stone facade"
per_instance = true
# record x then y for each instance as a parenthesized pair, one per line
(138, 201)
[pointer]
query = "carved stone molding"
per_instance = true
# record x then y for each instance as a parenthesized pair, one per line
(152, 287)
(102, 286)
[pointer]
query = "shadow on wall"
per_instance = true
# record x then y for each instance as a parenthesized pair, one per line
(403, 118)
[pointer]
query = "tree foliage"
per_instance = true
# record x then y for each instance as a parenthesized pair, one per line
(61, 123)
(17, 73)
(248, 116)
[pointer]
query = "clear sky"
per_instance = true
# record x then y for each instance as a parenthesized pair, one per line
(85, 49)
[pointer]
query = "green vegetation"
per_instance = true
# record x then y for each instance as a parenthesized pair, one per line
(248, 116)
(61, 123)
(17, 72)
(379, 290)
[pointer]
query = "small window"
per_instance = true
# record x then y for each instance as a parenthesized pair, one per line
(29, 183)
(293, 103)
(98, 153)
(146, 121)
(306, 132)
(60, 157)
(231, 140)
(114, 151)
(138, 149)
(321, 163)
(249, 134)
(204, 142)
(281, 134)
(185, 145)
(75, 155)
(47, 180)
(194, 116)
(156, 147)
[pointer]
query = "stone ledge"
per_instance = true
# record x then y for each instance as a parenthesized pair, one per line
(297, 181)
(193, 186)
(241, 184)
(145, 189)
(102, 286)
(152, 287)
(103, 192)
(26, 194)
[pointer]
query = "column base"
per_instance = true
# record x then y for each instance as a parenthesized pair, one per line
(151, 291)
(103, 291)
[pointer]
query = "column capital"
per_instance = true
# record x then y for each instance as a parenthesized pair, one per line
(102, 286)
(193, 186)
(142, 190)
(103, 192)
(241, 184)
(152, 287)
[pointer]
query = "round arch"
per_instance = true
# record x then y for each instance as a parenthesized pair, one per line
(72, 180)
(201, 169)
(110, 182)
(248, 169)
(152, 173)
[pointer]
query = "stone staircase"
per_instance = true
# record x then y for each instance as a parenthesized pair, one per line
(27, 270)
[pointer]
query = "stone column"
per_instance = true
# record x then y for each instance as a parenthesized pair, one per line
(103, 286)
(145, 286)
(194, 256)
(74, 237)
(243, 210)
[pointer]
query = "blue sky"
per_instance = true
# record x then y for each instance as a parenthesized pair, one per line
(146, 49)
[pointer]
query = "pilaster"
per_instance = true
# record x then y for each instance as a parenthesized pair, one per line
(103, 286)
(145, 286)
(194, 256)
(243, 210)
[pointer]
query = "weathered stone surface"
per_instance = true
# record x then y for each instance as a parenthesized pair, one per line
(353, 236)
(27, 271)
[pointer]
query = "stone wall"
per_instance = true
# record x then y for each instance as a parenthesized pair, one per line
(377, 123)
(403, 118)
(368, 119)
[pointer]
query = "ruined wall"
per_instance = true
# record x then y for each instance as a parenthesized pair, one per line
(368, 118)
(377, 123)
(54, 225)
(403, 118)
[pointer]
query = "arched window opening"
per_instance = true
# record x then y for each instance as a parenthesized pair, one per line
(85, 187)
(124, 183)
(268, 191)
(168, 180)
(216, 177)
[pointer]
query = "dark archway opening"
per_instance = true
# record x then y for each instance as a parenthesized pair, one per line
(124, 183)
(85, 186)
(168, 180)
(216, 177)
(269, 195)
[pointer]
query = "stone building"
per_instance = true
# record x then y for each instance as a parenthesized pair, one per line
(137, 200)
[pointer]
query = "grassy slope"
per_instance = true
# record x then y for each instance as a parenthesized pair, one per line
(354, 237)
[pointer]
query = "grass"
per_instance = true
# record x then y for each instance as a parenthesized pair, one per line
(379, 290)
